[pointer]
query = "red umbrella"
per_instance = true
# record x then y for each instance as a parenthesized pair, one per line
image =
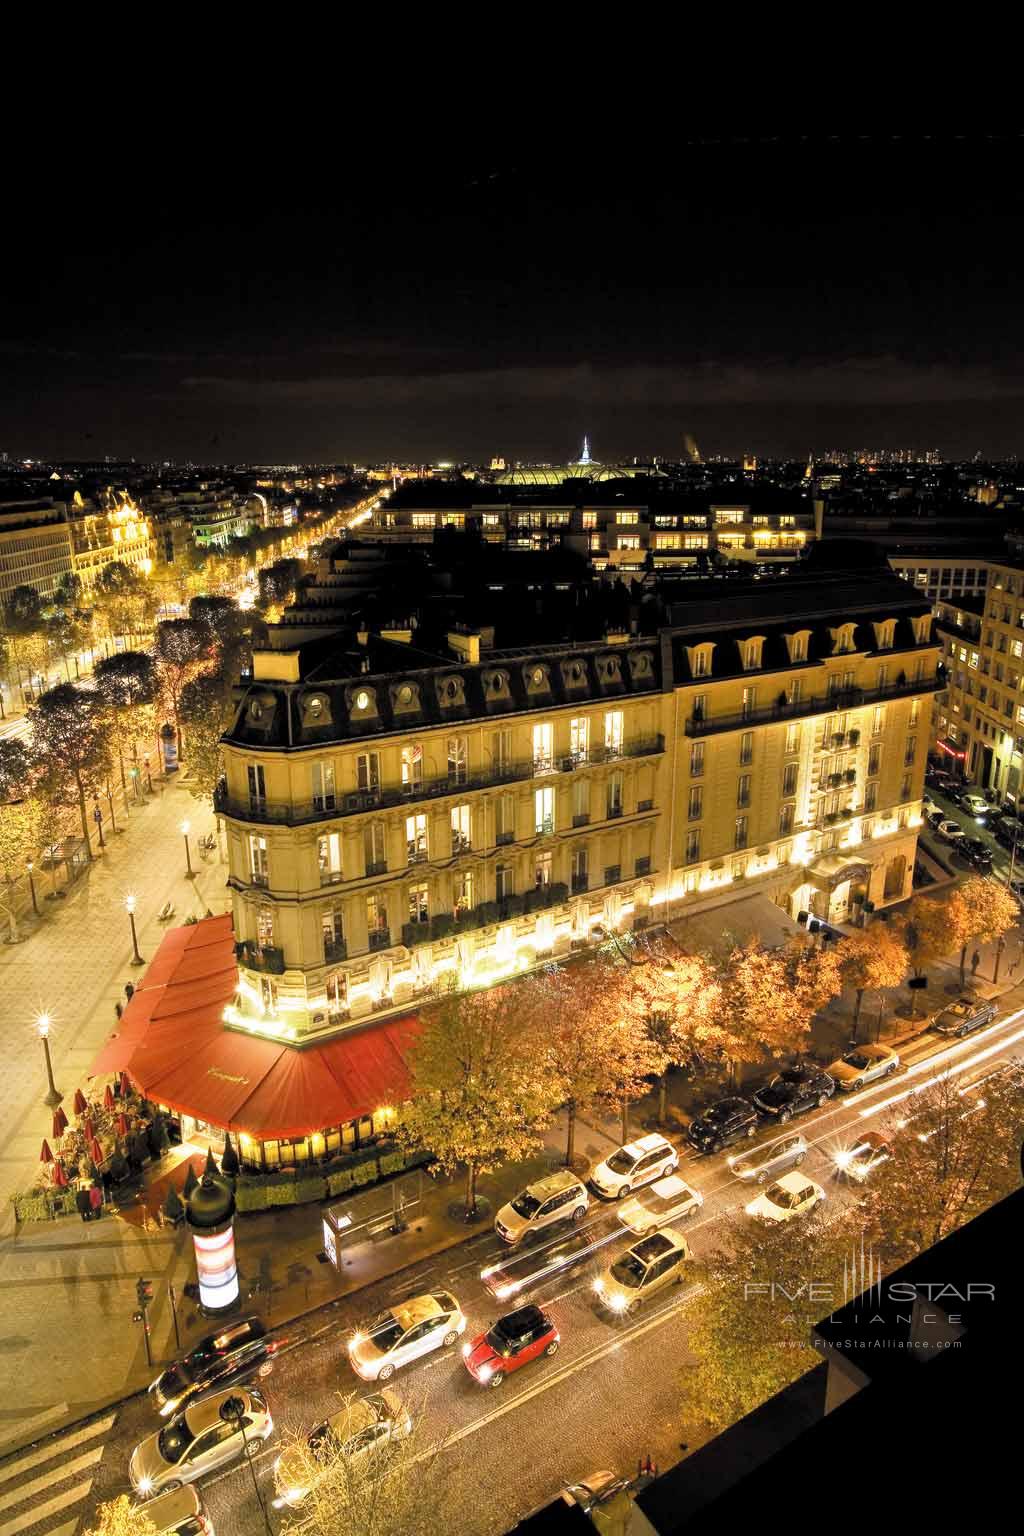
(60, 1177)
(122, 1125)
(80, 1105)
(46, 1156)
(125, 1085)
(60, 1122)
(95, 1151)
(108, 1097)
(88, 1129)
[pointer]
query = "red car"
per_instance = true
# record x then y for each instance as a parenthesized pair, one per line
(515, 1339)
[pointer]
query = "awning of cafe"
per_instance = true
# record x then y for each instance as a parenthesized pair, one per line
(173, 1043)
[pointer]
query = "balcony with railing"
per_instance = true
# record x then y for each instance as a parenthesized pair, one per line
(294, 813)
(379, 938)
(264, 958)
(445, 925)
(783, 709)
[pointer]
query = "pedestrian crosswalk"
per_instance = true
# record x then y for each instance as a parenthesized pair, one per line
(41, 1489)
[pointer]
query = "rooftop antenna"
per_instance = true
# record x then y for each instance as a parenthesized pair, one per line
(585, 455)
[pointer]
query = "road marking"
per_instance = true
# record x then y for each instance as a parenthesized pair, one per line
(29, 1490)
(26, 1426)
(52, 1507)
(56, 1447)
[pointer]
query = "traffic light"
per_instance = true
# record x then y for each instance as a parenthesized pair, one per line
(144, 1291)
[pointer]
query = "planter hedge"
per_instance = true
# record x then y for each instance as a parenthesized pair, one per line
(350, 1170)
(43, 1205)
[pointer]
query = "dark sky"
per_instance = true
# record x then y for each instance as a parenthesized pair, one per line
(240, 301)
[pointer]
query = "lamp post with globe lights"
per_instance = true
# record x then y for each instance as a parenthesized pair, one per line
(185, 829)
(129, 906)
(53, 1096)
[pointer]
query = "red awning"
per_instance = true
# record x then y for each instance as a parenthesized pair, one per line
(174, 1045)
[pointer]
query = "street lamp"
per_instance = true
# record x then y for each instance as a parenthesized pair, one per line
(29, 867)
(97, 816)
(129, 906)
(233, 1409)
(185, 829)
(53, 1097)
(149, 776)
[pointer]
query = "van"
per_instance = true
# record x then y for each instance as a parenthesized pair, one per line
(559, 1197)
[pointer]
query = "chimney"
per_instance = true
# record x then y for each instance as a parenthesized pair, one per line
(465, 645)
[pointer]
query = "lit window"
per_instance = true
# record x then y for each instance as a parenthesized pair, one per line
(544, 811)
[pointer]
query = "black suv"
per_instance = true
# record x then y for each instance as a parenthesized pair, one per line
(234, 1354)
(791, 1092)
(976, 852)
(721, 1124)
(1008, 830)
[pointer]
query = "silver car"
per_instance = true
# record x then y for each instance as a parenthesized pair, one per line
(763, 1163)
(211, 1433)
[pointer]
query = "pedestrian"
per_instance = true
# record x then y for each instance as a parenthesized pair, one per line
(118, 1009)
(82, 1202)
(975, 962)
(106, 1181)
(129, 990)
(95, 1201)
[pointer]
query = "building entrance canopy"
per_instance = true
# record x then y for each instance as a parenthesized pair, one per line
(830, 872)
(173, 1043)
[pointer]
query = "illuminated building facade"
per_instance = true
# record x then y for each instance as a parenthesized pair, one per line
(117, 531)
(396, 816)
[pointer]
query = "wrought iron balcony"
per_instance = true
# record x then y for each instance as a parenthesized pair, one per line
(782, 709)
(298, 812)
(379, 938)
(264, 958)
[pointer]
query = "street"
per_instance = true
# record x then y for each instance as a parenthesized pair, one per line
(611, 1395)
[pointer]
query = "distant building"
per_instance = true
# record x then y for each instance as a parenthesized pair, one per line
(114, 530)
(35, 547)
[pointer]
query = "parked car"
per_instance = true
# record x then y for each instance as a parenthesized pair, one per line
(524, 1272)
(964, 1016)
(639, 1162)
(1016, 888)
(975, 805)
(210, 1434)
(793, 1091)
(763, 1163)
(662, 1205)
(515, 1340)
(863, 1064)
(239, 1351)
(929, 809)
(721, 1124)
(1008, 831)
(643, 1270)
(950, 831)
(869, 1152)
(359, 1431)
(558, 1197)
(978, 853)
(405, 1332)
(935, 817)
(791, 1196)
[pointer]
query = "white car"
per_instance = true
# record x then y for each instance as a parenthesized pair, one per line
(975, 805)
(929, 808)
(669, 1200)
(404, 1333)
(863, 1064)
(548, 1202)
(359, 1431)
(791, 1196)
(950, 831)
(638, 1162)
(210, 1434)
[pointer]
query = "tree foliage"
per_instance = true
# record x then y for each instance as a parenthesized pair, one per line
(128, 684)
(71, 743)
(184, 648)
(872, 960)
(481, 1092)
(121, 1517)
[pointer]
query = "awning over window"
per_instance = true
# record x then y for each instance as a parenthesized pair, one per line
(175, 1047)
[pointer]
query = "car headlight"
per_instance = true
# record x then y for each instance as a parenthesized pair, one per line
(355, 1341)
(599, 1286)
(467, 1349)
(617, 1303)
(485, 1373)
(145, 1485)
(753, 1209)
(169, 1407)
(843, 1159)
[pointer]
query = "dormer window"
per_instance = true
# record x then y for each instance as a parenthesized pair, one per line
(922, 624)
(315, 709)
(750, 652)
(700, 659)
(405, 698)
(885, 632)
(842, 639)
(574, 674)
(797, 644)
(451, 692)
(362, 702)
(641, 666)
(535, 676)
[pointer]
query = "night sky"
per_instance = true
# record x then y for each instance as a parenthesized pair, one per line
(435, 302)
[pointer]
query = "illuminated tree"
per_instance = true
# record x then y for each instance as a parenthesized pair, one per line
(956, 1154)
(676, 997)
(207, 709)
(871, 960)
(754, 1012)
(23, 626)
(927, 935)
(70, 739)
(406, 1487)
(183, 649)
(481, 1089)
(128, 684)
(121, 1517)
(813, 977)
(991, 912)
(749, 1320)
(16, 845)
(120, 597)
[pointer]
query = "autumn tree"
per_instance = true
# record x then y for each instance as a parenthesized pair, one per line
(23, 625)
(408, 1486)
(481, 1092)
(119, 597)
(955, 1153)
(750, 1319)
(675, 995)
(992, 911)
(926, 935)
(813, 977)
(207, 709)
(71, 742)
(121, 1517)
(128, 684)
(871, 960)
(183, 649)
(753, 1012)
